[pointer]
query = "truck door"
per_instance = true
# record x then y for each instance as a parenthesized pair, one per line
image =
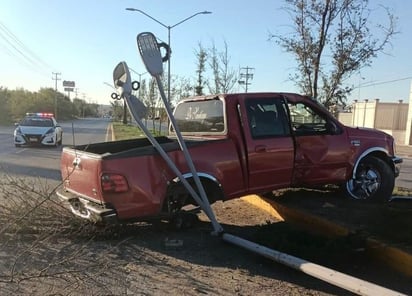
(322, 148)
(269, 145)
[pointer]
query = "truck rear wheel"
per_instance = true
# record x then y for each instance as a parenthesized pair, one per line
(374, 180)
(184, 220)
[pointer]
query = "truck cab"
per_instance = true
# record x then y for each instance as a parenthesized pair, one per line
(291, 140)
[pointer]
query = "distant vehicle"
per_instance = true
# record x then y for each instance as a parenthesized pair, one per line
(38, 129)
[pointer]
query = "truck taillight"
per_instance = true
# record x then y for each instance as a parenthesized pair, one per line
(114, 183)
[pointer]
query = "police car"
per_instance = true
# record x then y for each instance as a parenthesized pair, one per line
(38, 129)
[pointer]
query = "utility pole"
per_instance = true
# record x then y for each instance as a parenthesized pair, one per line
(246, 74)
(55, 78)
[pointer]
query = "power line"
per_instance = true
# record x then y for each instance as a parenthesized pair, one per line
(383, 82)
(16, 48)
(21, 44)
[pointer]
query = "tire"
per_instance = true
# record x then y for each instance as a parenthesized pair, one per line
(374, 181)
(184, 220)
(61, 140)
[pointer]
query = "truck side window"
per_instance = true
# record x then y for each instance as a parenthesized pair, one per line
(267, 118)
(305, 121)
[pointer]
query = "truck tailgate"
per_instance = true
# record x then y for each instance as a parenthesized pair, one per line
(81, 173)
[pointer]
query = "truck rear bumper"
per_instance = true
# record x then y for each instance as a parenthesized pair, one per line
(87, 209)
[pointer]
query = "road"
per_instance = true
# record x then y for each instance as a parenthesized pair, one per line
(405, 178)
(43, 162)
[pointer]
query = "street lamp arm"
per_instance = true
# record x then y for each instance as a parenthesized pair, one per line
(168, 38)
(149, 16)
(188, 18)
(140, 74)
(108, 84)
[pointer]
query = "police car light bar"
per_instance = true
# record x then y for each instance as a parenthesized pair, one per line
(40, 114)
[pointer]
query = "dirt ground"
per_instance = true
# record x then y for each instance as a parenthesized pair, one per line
(156, 259)
(386, 222)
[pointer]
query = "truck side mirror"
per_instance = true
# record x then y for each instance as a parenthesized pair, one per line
(332, 128)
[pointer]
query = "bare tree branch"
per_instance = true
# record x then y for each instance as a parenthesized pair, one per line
(331, 40)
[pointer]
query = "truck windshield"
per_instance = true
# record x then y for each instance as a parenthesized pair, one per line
(200, 116)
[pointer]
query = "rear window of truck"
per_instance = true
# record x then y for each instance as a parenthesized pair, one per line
(200, 117)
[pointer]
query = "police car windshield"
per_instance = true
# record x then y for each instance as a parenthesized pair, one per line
(37, 121)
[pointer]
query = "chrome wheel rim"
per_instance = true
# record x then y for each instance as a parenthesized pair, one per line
(366, 183)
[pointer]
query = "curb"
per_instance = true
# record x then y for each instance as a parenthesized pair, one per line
(389, 255)
(110, 136)
(113, 135)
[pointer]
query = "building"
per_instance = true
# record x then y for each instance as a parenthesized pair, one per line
(392, 118)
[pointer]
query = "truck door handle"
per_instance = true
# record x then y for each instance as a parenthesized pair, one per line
(260, 148)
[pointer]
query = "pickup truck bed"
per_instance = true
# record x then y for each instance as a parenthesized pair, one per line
(109, 166)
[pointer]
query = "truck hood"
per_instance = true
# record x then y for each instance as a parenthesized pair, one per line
(368, 133)
(369, 138)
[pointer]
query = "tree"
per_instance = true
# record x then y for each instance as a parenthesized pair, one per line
(117, 109)
(151, 100)
(184, 88)
(141, 94)
(16, 103)
(5, 115)
(224, 78)
(79, 107)
(331, 40)
(201, 56)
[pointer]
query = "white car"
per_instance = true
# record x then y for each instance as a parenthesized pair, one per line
(38, 129)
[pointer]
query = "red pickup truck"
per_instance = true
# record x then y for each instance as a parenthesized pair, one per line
(241, 144)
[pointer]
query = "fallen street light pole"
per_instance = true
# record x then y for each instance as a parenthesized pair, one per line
(328, 275)
(122, 81)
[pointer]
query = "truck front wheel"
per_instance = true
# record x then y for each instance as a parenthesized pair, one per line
(374, 180)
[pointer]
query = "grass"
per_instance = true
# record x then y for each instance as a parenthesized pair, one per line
(128, 131)
(401, 191)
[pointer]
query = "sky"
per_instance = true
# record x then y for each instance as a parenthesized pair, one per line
(83, 40)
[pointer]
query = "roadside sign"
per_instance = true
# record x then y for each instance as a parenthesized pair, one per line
(68, 83)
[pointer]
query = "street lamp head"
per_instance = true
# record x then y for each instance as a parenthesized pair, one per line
(168, 29)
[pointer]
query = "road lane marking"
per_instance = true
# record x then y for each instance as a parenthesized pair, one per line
(20, 150)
